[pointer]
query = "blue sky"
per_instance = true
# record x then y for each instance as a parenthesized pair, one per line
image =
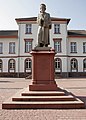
(11, 9)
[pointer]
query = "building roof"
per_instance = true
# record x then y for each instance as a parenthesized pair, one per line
(76, 33)
(35, 18)
(9, 34)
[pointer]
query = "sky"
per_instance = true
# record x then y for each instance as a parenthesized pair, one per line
(73, 9)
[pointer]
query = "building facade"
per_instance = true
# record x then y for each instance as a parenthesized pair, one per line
(16, 45)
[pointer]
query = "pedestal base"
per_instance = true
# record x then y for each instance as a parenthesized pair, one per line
(43, 87)
(26, 99)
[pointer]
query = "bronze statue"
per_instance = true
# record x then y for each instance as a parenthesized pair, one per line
(44, 22)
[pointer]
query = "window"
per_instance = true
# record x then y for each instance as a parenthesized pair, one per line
(12, 47)
(0, 65)
(57, 46)
(73, 47)
(84, 47)
(57, 28)
(11, 65)
(1, 48)
(28, 45)
(28, 28)
(58, 65)
(84, 65)
(74, 65)
(28, 65)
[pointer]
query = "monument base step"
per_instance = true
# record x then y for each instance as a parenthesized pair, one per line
(26, 99)
(43, 98)
(43, 93)
(43, 105)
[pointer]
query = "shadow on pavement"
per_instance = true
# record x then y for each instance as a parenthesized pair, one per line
(5, 81)
(83, 98)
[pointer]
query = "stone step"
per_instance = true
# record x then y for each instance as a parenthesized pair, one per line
(43, 98)
(50, 93)
(42, 105)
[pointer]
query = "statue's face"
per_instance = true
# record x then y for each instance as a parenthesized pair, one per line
(42, 8)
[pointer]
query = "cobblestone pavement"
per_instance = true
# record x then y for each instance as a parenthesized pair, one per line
(9, 86)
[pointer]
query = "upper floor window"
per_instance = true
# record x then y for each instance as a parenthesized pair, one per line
(84, 47)
(1, 48)
(57, 45)
(57, 28)
(0, 65)
(28, 28)
(73, 47)
(12, 47)
(28, 45)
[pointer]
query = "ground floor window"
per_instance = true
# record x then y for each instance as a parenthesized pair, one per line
(74, 65)
(28, 65)
(0, 65)
(58, 65)
(11, 65)
(84, 65)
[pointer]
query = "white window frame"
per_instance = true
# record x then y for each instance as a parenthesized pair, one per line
(56, 28)
(28, 61)
(12, 64)
(57, 46)
(74, 65)
(73, 47)
(84, 66)
(12, 47)
(28, 29)
(1, 64)
(1, 47)
(28, 46)
(57, 63)
(28, 65)
(84, 47)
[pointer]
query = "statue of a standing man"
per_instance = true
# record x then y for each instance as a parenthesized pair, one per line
(44, 22)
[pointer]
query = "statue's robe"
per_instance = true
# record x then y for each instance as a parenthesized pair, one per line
(44, 22)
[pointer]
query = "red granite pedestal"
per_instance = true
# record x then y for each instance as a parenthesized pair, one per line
(43, 70)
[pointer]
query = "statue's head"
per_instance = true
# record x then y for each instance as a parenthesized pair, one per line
(42, 8)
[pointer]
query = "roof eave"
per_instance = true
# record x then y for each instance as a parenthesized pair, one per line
(76, 36)
(18, 20)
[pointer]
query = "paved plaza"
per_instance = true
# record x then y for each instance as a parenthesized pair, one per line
(9, 86)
